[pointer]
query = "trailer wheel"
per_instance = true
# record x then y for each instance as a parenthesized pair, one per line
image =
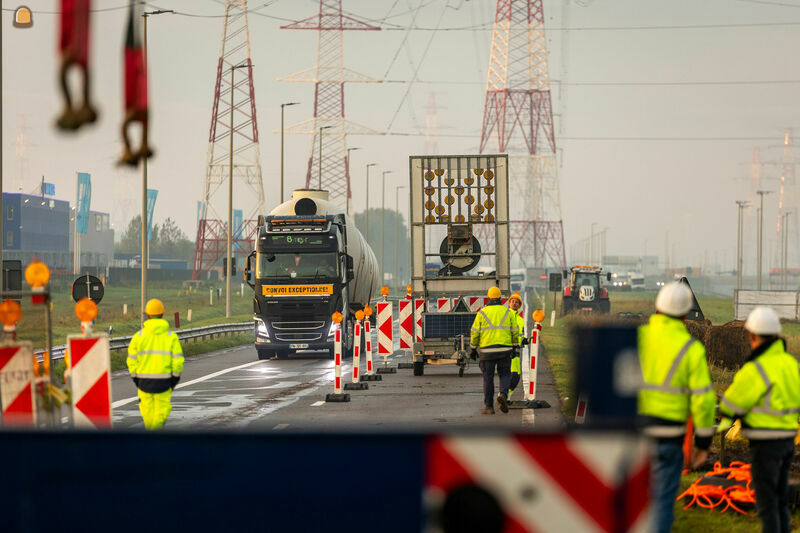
(419, 368)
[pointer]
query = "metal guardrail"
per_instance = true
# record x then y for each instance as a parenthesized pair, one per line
(119, 343)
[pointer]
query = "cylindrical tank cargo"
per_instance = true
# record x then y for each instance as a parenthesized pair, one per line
(365, 265)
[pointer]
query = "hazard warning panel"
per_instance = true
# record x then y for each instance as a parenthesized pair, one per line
(385, 331)
(545, 483)
(406, 321)
(419, 307)
(91, 380)
(17, 389)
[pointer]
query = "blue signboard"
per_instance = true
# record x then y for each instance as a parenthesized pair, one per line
(48, 189)
(152, 194)
(84, 199)
(237, 223)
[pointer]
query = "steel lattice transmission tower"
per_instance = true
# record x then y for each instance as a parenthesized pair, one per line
(329, 76)
(232, 131)
(518, 113)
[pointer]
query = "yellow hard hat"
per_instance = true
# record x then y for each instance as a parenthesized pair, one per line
(154, 307)
(516, 296)
(494, 293)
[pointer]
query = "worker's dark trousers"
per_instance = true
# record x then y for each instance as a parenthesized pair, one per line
(665, 478)
(770, 470)
(503, 370)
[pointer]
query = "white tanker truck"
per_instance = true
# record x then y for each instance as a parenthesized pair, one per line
(309, 262)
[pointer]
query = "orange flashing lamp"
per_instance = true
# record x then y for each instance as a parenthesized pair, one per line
(359, 315)
(86, 310)
(10, 313)
(337, 317)
(37, 275)
(368, 311)
(538, 316)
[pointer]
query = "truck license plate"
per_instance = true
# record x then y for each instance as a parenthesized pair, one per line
(297, 346)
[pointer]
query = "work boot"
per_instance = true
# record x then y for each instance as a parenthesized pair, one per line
(502, 402)
(488, 410)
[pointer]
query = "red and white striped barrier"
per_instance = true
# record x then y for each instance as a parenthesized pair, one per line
(589, 482)
(356, 350)
(476, 303)
(337, 395)
(17, 391)
(90, 374)
(368, 348)
(530, 394)
(580, 412)
(385, 329)
(444, 305)
(406, 320)
(419, 306)
(356, 384)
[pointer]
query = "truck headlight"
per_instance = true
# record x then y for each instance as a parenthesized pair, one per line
(332, 329)
(261, 329)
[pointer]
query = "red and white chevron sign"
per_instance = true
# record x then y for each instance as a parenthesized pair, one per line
(385, 329)
(444, 305)
(549, 483)
(17, 391)
(419, 305)
(90, 359)
(406, 320)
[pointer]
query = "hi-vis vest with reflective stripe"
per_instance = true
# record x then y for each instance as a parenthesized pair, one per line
(677, 382)
(155, 352)
(521, 325)
(765, 393)
(494, 330)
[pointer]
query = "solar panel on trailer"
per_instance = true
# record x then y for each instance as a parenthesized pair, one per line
(439, 325)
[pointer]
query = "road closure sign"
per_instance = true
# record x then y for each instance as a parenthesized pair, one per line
(88, 286)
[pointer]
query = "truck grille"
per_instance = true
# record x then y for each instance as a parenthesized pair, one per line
(298, 337)
(288, 326)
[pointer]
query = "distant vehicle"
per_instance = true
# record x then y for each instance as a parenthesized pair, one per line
(584, 291)
(519, 280)
(636, 281)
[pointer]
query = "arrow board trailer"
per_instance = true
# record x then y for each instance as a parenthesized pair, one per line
(310, 261)
(459, 221)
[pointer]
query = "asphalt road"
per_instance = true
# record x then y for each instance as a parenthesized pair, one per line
(232, 389)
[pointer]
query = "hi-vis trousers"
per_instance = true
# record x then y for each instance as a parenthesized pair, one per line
(155, 408)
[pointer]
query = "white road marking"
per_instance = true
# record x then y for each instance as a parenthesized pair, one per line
(528, 417)
(126, 401)
(280, 427)
(317, 404)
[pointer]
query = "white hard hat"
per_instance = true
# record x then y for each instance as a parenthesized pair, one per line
(674, 299)
(763, 321)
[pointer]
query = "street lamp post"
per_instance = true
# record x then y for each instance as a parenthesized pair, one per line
(144, 253)
(282, 106)
(347, 200)
(229, 247)
(592, 245)
(760, 235)
(320, 154)
(366, 203)
(739, 238)
(397, 234)
(383, 225)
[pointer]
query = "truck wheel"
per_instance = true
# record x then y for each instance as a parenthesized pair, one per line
(263, 355)
(419, 369)
(461, 372)
(282, 355)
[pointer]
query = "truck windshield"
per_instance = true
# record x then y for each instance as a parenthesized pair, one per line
(294, 265)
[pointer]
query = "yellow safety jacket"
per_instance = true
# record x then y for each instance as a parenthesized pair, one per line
(677, 382)
(155, 356)
(521, 326)
(494, 331)
(765, 394)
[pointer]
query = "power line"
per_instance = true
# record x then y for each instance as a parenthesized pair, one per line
(607, 139)
(617, 83)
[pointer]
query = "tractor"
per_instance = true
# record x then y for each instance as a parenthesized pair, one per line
(584, 292)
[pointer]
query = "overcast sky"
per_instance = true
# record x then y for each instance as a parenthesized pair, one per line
(637, 158)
